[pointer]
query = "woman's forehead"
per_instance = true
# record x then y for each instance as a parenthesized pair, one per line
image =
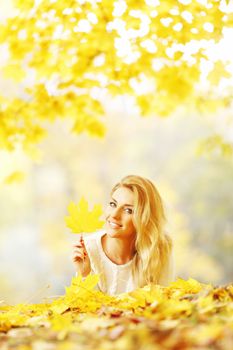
(123, 195)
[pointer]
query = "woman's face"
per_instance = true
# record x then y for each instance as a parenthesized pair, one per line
(119, 214)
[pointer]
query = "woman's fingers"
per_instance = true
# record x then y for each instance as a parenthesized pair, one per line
(79, 248)
(77, 245)
(78, 257)
(79, 252)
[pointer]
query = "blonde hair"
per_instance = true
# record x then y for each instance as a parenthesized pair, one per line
(153, 246)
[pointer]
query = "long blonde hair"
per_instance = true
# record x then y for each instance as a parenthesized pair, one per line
(153, 246)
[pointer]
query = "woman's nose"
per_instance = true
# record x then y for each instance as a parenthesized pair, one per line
(116, 213)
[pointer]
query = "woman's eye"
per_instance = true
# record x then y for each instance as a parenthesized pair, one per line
(112, 204)
(128, 210)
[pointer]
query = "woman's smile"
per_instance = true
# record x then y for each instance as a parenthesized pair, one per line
(114, 224)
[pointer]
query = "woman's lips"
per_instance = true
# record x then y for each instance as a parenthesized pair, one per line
(114, 224)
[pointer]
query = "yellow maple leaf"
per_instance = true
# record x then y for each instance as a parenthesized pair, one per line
(81, 219)
(15, 177)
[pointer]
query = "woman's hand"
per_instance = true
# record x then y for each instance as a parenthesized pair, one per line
(80, 258)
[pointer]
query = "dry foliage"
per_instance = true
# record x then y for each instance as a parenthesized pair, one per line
(185, 315)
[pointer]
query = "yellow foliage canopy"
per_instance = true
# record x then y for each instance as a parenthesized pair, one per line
(63, 52)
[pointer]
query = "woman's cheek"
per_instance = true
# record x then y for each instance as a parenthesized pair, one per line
(107, 213)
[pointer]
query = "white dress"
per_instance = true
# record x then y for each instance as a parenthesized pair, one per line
(114, 279)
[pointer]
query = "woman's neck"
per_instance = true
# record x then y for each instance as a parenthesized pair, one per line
(118, 250)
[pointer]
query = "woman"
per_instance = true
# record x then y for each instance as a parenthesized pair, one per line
(133, 250)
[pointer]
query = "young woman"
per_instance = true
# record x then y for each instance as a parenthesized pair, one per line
(133, 250)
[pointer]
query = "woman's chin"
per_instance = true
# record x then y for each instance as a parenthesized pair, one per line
(112, 231)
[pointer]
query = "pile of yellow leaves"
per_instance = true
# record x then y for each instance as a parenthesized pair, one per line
(185, 315)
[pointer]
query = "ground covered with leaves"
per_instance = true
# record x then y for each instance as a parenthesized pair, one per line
(184, 315)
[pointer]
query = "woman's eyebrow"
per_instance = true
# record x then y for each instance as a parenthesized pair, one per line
(125, 205)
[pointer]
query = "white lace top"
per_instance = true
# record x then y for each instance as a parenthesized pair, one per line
(115, 279)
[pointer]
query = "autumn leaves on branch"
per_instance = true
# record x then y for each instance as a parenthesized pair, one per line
(67, 56)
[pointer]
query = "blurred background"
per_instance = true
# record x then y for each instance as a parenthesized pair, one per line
(195, 184)
(197, 190)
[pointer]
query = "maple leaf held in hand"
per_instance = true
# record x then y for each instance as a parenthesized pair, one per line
(81, 219)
